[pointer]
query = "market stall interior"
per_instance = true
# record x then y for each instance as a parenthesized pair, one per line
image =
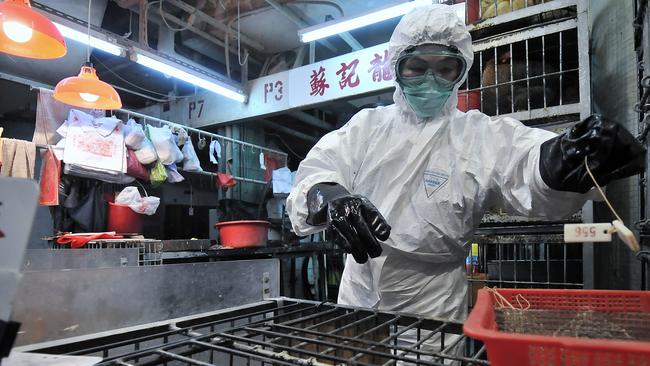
(158, 143)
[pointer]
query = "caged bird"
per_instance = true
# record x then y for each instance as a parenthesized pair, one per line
(525, 90)
(492, 8)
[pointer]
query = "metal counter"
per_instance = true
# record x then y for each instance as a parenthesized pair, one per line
(57, 304)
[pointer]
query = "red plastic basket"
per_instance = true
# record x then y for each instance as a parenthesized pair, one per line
(510, 349)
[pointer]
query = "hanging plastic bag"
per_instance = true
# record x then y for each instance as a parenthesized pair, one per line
(181, 135)
(134, 168)
(50, 177)
(191, 161)
(224, 180)
(173, 176)
(178, 157)
(215, 152)
(130, 196)
(133, 135)
(163, 142)
(158, 174)
(146, 154)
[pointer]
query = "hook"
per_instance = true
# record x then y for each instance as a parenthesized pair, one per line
(645, 82)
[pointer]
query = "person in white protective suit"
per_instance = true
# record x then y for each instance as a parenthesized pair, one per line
(406, 185)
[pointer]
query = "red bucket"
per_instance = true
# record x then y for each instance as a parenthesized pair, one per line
(469, 100)
(122, 219)
(242, 234)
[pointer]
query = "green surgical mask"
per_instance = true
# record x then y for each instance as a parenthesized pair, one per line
(426, 94)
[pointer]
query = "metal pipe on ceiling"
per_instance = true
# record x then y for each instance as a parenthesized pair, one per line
(206, 36)
(288, 131)
(311, 120)
(215, 23)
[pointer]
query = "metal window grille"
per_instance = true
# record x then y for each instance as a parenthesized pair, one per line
(149, 250)
(527, 260)
(284, 332)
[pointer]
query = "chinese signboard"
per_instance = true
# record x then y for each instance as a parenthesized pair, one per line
(356, 73)
(348, 75)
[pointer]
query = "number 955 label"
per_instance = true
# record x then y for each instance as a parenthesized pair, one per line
(578, 233)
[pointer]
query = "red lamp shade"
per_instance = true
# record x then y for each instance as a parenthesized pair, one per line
(87, 91)
(26, 33)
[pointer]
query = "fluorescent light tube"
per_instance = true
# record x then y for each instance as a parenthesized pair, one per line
(177, 73)
(95, 42)
(347, 24)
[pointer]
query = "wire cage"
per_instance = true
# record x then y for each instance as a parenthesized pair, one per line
(533, 75)
(527, 260)
(531, 63)
(285, 332)
(480, 10)
(150, 251)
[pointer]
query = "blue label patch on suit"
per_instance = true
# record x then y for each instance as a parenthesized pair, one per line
(433, 181)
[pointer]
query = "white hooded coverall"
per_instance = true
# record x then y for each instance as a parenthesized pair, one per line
(431, 179)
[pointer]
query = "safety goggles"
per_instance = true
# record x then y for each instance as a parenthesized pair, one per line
(447, 66)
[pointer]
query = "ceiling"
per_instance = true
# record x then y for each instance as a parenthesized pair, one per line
(268, 32)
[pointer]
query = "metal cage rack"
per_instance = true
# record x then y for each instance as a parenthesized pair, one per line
(150, 251)
(526, 257)
(282, 332)
(531, 63)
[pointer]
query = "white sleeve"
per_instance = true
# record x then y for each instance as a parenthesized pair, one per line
(335, 158)
(517, 181)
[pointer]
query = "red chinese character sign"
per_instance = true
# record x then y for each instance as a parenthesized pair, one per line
(318, 83)
(356, 73)
(380, 68)
(348, 74)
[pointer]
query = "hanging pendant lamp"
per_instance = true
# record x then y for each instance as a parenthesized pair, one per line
(86, 90)
(26, 33)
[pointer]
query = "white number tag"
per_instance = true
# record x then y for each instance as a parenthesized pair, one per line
(580, 233)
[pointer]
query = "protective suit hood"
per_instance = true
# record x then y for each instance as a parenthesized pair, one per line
(437, 24)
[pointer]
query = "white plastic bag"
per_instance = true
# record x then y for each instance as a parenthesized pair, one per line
(190, 159)
(146, 154)
(178, 154)
(163, 142)
(282, 181)
(173, 176)
(130, 196)
(133, 135)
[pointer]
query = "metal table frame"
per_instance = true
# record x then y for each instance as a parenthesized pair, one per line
(280, 332)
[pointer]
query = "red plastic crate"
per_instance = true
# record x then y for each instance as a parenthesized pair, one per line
(514, 349)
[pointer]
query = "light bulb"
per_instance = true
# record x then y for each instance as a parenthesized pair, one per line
(17, 32)
(89, 97)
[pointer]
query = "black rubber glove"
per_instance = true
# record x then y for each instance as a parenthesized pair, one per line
(611, 150)
(357, 222)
